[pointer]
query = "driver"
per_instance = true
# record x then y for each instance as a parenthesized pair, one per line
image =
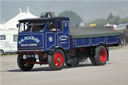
(51, 27)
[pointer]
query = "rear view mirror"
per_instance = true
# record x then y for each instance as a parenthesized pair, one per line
(17, 25)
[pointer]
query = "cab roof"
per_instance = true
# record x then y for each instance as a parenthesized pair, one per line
(43, 19)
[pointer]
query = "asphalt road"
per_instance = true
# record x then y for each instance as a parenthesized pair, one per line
(115, 72)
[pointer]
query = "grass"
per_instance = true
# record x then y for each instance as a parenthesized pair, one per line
(9, 55)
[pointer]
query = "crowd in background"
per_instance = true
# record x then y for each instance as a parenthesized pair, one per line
(124, 37)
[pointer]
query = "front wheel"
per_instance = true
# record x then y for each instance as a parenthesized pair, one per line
(23, 65)
(56, 60)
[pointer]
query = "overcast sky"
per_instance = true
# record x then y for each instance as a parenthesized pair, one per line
(87, 9)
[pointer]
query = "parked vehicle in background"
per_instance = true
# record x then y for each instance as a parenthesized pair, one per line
(9, 32)
(8, 41)
(111, 26)
(121, 26)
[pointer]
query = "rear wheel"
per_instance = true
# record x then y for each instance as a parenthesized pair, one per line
(101, 56)
(23, 65)
(56, 61)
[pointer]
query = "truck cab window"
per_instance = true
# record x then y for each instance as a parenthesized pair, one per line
(58, 25)
(32, 27)
(51, 26)
(35, 27)
(21, 27)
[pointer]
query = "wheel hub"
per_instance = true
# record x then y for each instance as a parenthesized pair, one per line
(58, 59)
(102, 55)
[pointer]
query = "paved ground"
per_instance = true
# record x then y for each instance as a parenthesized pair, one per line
(115, 72)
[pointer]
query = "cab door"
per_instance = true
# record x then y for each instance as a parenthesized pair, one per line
(50, 35)
(63, 37)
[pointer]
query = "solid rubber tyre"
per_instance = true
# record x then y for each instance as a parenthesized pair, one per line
(101, 56)
(22, 65)
(56, 60)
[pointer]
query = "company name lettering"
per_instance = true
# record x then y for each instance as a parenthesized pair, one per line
(29, 38)
(63, 37)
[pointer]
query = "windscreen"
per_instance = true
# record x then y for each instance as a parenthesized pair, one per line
(31, 27)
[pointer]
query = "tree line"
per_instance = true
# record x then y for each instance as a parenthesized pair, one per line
(110, 19)
(75, 19)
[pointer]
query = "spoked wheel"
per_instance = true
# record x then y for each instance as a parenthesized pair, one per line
(56, 61)
(101, 56)
(22, 63)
